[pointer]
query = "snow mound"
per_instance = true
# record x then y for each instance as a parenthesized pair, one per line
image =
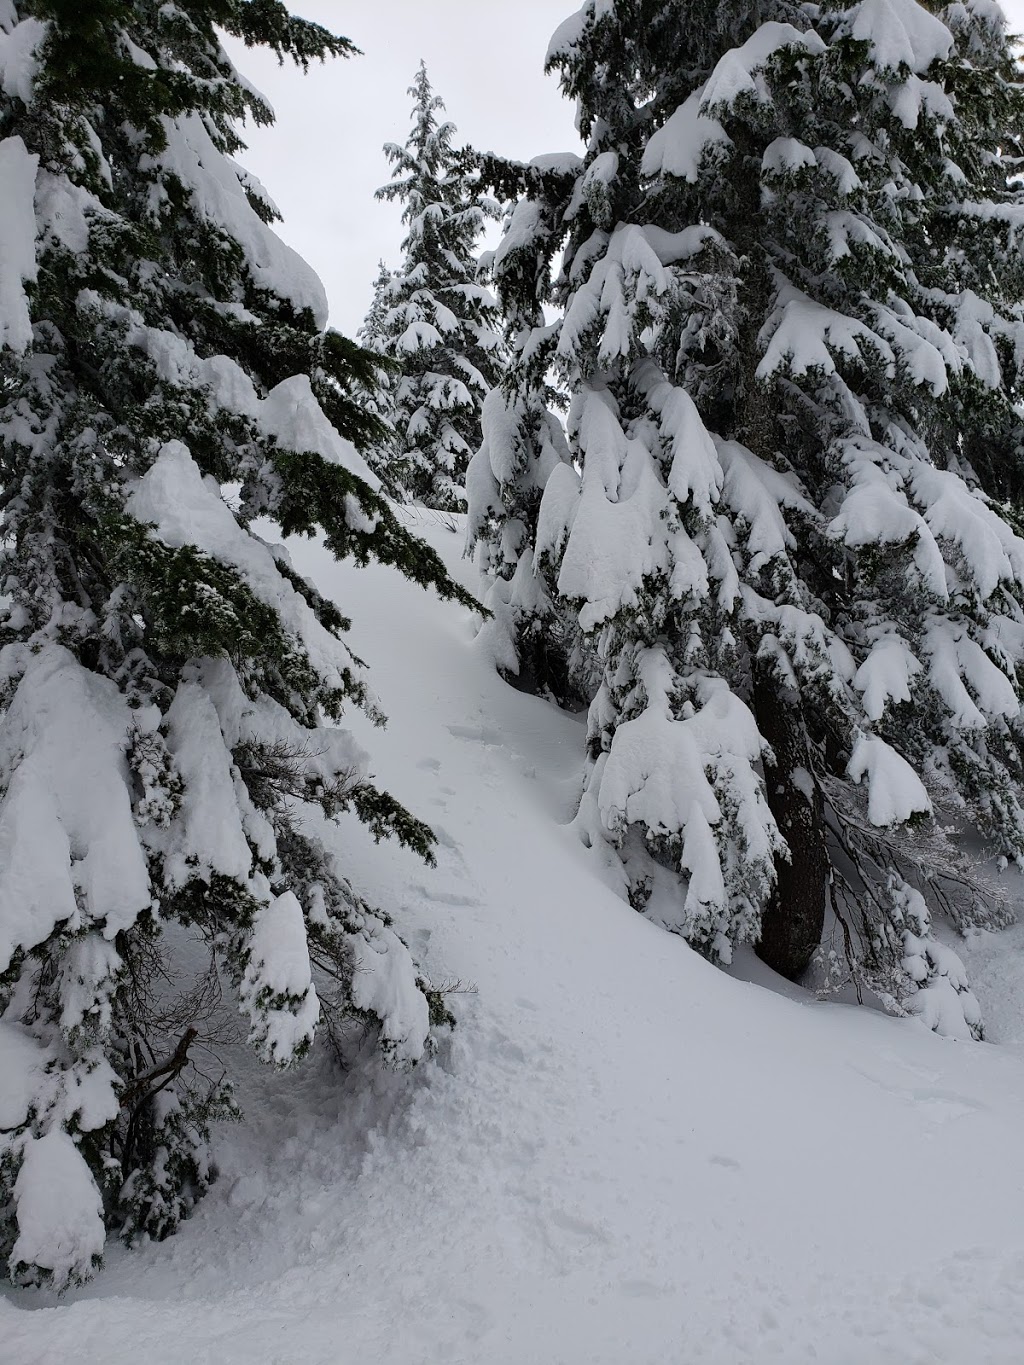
(58, 1206)
(900, 33)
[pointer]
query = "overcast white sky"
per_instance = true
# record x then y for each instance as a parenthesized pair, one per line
(322, 160)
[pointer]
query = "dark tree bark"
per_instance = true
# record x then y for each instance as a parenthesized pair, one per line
(794, 918)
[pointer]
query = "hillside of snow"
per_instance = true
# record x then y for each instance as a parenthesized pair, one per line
(622, 1156)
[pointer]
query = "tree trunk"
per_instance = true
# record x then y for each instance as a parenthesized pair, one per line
(794, 918)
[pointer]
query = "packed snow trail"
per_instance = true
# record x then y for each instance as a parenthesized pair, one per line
(622, 1157)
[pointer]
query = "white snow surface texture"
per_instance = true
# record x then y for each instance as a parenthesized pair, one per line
(624, 1156)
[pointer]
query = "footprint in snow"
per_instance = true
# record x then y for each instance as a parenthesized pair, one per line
(447, 841)
(432, 893)
(482, 734)
(578, 1227)
(643, 1289)
(730, 1163)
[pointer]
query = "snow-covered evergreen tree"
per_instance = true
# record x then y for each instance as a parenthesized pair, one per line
(792, 328)
(168, 680)
(433, 316)
(529, 634)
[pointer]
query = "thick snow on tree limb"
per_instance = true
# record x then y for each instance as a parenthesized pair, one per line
(786, 285)
(168, 683)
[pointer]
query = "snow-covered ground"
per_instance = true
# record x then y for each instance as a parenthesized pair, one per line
(623, 1157)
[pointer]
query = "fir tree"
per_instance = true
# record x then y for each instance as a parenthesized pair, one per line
(791, 326)
(432, 316)
(168, 680)
(529, 635)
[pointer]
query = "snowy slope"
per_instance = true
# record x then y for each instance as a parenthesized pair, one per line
(625, 1157)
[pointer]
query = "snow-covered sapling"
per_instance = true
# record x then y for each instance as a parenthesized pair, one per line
(433, 317)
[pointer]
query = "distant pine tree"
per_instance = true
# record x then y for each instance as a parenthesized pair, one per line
(433, 316)
(164, 672)
(792, 327)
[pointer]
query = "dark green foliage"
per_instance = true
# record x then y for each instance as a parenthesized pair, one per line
(174, 338)
(312, 494)
(803, 221)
